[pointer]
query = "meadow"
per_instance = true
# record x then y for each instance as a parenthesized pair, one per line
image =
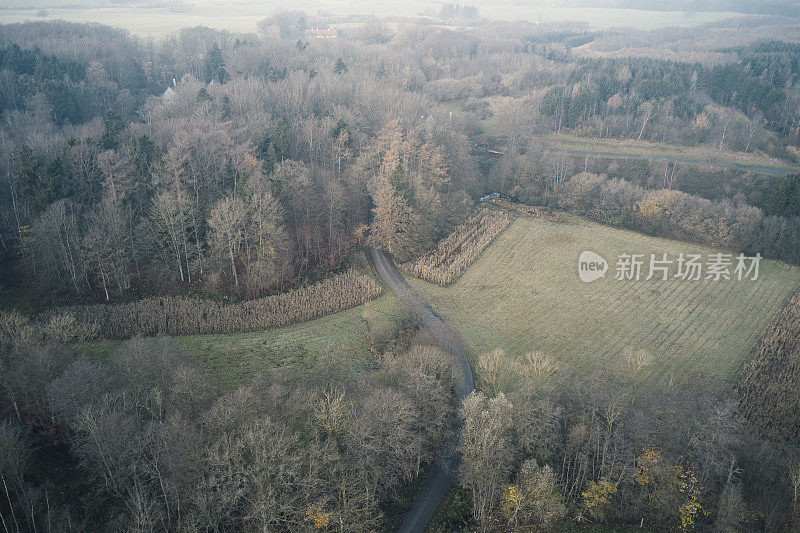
(523, 294)
(648, 149)
(234, 359)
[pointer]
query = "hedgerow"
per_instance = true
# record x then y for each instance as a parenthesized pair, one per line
(456, 252)
(187, 316)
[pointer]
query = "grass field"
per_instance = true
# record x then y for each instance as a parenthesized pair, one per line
(235, 359)
(244, 15)
(524, 294)
(651, 149)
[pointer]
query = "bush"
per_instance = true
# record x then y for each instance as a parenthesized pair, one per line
(187, 316)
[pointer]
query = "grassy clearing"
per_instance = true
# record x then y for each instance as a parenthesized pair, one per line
(236, 358)
(651, 149)
(524, 294)
(494, 127)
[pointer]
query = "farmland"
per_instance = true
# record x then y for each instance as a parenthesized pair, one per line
(153, 21)
(234, 359)
(523, 294)
(454, 254)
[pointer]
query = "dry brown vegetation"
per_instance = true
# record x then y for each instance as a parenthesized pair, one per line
(768, 390)
(457, 251)
(530, 211)
(187, 316)
(18, 331)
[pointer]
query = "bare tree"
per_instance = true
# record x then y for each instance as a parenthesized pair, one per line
(104, 245)
(487, 451)
(755, 125)
(227, 224)
(57, 243)
(171, 222)
(647, 111)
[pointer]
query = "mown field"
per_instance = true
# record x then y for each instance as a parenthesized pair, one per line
(235, 359)
(524, 294)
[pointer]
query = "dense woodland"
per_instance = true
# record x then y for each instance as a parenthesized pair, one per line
(243, 165)
(146, 442)
(589, 447)
(211, 182)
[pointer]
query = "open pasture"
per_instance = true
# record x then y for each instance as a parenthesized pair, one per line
(524, 294)
(234, 359)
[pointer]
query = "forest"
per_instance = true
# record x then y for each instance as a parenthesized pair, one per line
(213, 183)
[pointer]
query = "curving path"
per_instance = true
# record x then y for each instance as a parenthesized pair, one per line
(666, 158)
(441, 475)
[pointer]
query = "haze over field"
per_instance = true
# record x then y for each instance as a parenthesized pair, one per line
(159, 17)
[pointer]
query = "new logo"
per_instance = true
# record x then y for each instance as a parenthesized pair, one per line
(591, 267)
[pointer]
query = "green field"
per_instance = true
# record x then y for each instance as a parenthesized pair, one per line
(235, 359)
(524, 294)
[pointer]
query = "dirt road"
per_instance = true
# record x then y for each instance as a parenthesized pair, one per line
(441, 476)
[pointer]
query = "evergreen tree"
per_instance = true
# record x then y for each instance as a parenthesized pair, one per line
(203, 96)
(113, 126)
(36, 179)
(214, 66)
(783, 198)
(226, 108)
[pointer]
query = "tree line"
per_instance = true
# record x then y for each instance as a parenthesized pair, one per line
(551, 180)
(543, 447)
(726, 106)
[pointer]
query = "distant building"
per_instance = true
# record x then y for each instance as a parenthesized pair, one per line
(168, 95)
(320, 33)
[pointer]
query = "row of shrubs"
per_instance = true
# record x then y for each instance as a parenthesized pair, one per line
(768, 390)
(451, 257)
(187, 316)
(18, 332)
(671, 214)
